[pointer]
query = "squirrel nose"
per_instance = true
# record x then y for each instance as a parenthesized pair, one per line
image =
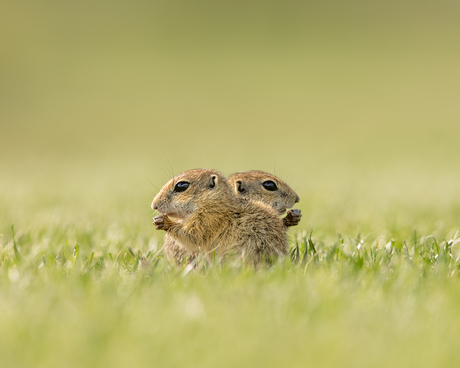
(297, 199)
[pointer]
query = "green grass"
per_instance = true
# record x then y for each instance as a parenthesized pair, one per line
(105, 296)
(354, 104)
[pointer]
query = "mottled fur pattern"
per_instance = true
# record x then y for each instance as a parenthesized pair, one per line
(176, 252)
(249, 185)
(207, 218)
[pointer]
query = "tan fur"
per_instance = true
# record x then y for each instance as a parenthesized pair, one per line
(251, 181)
(249, 185)
(210, 219)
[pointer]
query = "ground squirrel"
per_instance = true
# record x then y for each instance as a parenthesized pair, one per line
(246, 185)
(207, 217)
(269, 189)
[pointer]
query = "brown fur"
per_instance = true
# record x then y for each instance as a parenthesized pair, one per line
(249, 185)
(209, 218)
(251, 181)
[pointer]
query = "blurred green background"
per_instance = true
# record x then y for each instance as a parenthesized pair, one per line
(355, 104)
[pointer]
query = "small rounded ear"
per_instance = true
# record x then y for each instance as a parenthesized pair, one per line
(239, 186)
(212, 184)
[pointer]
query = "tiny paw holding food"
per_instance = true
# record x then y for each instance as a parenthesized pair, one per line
(162, 222)
(292, 218)
(202, 211)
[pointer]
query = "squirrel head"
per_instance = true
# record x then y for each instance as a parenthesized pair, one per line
(190, 190)
(264, 187)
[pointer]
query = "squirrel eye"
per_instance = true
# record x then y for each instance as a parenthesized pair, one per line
(270, 185)
(181, 186)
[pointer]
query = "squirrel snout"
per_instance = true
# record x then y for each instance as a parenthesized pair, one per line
(297, 199)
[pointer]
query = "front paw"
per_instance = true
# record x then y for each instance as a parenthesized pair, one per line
(292, 218)
(162, 222)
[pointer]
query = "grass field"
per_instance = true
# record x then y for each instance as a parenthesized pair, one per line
(354, 104)
(101, 294)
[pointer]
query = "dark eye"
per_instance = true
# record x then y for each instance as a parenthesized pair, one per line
(270, 185)
(181, 186)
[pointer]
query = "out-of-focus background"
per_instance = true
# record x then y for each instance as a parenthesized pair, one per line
(355, 104)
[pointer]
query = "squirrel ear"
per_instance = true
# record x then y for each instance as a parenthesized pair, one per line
(212, 184)
(239, 186)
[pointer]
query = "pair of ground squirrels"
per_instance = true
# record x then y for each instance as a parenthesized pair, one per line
(203, 212)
